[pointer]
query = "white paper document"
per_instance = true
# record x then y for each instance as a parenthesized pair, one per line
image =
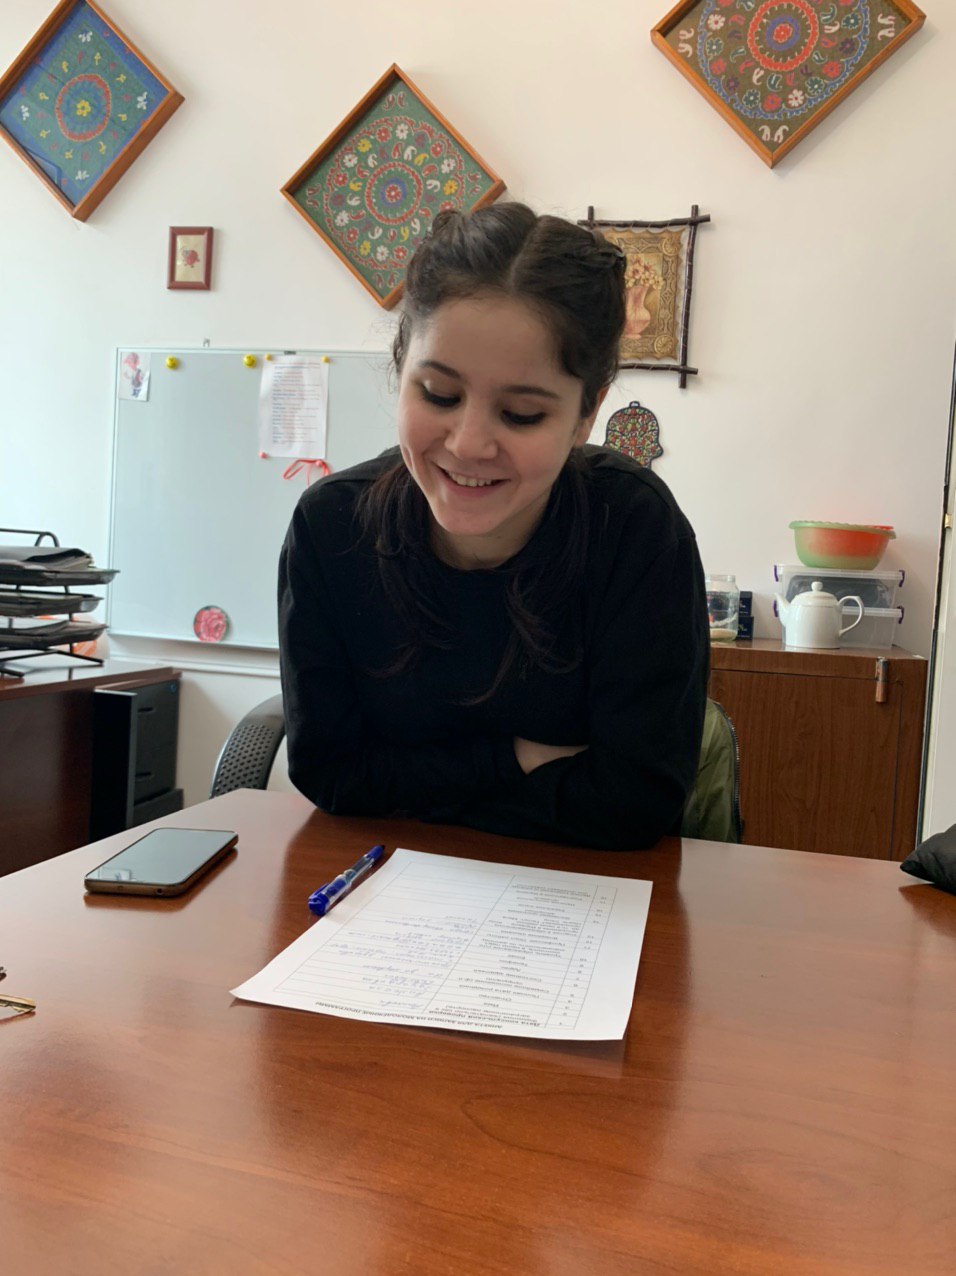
(294, 406)
(454, 943)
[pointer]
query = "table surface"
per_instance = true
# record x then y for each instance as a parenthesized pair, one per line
(784, 1100)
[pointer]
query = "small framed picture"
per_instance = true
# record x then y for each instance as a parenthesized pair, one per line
(190, 257)
(80, 103)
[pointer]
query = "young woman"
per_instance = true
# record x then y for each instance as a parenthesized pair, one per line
(495, 624)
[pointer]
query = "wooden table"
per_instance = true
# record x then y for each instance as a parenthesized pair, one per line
(784, 1100)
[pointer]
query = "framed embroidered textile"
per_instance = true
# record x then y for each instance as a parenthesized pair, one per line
(373, 187)
(775, 68)
(658, 278)
(80, 104)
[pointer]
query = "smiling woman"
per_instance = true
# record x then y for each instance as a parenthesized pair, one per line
(495, 624)
(487, 420)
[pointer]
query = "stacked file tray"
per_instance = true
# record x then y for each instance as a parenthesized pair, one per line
(878, 591)
(41, 597)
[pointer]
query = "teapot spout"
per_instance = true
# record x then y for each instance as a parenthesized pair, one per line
(783, 608)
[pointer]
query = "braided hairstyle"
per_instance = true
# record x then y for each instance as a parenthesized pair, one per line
(574, 279)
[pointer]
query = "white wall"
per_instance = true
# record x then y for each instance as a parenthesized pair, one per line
(823, 310)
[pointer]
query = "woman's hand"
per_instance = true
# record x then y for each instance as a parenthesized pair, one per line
(531, 754)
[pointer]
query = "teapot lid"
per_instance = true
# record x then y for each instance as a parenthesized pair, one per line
(816, 596)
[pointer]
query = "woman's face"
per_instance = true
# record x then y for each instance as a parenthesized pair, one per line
(486, 420)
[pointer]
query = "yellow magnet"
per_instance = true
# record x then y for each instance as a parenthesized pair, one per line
(326, 359)
(249, 360)
(267, 356)
(172, 361)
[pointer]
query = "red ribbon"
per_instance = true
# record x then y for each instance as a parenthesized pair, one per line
(310, 466)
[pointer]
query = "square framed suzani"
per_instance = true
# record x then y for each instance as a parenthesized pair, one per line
(373, 188)
(80, 104)
(775, 68)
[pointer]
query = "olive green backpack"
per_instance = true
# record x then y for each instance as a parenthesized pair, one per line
(713, 808)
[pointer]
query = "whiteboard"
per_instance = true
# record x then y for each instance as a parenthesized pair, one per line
(197, 517)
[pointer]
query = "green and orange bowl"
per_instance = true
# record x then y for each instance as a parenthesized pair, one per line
(858, 546)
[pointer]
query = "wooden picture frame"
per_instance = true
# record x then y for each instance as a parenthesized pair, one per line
(373, 187)
(659, 281)
(81, 103)
(189, 263)
(775, 68)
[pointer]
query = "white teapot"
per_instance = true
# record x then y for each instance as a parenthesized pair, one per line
(813, 619)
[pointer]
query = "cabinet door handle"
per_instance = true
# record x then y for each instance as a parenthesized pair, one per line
(146, 708)
(882, 679)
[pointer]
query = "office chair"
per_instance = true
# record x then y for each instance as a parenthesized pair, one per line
(712, 811)
(248, 754)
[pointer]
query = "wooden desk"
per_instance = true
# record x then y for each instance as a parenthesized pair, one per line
(46, 753)
(784, 1100)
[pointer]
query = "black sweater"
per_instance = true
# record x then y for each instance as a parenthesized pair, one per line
(365, 744)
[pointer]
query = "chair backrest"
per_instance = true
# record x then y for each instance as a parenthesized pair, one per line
(713, 808)
(712, 811)
(247, 756)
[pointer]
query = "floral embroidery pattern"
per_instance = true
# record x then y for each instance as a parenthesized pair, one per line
(377, 194)
(635, 431)
(777, 65)
(83, 107)
(782, 58)
(68, 95)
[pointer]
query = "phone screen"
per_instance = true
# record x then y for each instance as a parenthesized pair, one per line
(165, 857)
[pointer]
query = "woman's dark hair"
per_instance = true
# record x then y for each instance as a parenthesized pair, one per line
(570, 274)
(575, 280)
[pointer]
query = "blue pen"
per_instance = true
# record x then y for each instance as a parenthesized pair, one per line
(326, 896)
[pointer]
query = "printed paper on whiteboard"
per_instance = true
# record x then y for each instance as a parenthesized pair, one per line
(134, 376)
(294, 406)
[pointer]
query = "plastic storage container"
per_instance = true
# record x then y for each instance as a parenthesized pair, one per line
(877, 589)
(878, 628)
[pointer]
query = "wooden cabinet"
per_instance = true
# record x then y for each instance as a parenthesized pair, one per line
(830, 745)
(47, 746)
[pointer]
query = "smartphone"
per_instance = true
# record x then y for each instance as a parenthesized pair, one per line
(164, 862)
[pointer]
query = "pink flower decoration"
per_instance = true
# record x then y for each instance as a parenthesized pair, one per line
(771, 102)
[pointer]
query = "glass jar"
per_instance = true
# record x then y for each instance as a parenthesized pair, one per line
(723, 605)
